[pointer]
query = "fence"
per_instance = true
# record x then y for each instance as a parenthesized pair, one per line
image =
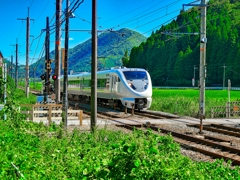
(230, 110)
(49, 112)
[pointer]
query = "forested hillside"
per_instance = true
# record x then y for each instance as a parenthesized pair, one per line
(171, 59)
(111, 48)
(112, 45)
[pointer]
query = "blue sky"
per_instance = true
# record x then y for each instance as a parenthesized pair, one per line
(139, 15)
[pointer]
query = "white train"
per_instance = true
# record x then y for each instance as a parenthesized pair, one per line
(127, 87)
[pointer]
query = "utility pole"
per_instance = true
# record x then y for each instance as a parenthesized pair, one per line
(11, 67)
(94, 67)
(202, 67)
(202, 72)
(16, 67)
(5, 85)
(224, 76)
(27, 54)
(65, 76)
(58, 50)
(47, 61)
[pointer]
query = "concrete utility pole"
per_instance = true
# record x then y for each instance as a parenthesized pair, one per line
(27, 54)
(94, 67)
(202, 67)
(5, 85)
(58, 50)
(202, 72)
(47, 61)
(65, 76)
(11, 67)
(224, 76)
(16, 68)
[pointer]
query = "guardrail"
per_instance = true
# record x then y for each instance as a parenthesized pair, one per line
(49, 112)
(230, 110)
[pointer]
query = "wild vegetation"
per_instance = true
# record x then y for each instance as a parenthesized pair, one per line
(36, 151)
(171, 61)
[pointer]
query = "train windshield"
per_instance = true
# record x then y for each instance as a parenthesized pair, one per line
(133, 75)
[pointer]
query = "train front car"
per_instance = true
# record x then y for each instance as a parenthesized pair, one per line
(136, 88)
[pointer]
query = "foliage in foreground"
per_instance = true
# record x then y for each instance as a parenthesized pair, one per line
(36, 151)
(15, 97)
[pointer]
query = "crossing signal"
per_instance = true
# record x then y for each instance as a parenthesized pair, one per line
(42, 76)
(54, 77)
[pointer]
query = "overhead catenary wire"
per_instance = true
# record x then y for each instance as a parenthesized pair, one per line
(146, 14)
(130, 11)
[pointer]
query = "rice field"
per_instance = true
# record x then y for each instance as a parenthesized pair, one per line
(185, 102)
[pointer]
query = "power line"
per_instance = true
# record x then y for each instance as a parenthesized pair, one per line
(43, 10)
(131, 11)
(138, 17)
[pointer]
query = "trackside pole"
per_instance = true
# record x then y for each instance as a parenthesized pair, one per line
(125, 108)
(202, 72)
(132, 109)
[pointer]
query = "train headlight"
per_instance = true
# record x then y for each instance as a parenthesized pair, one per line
(146, 86)
(132, 86)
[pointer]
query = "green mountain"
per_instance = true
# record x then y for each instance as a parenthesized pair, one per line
(171, 58)
(112, 46)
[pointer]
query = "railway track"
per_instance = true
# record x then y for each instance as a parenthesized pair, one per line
(111, 113)
(221, 129)
(208, 145)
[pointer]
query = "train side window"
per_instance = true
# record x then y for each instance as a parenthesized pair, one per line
(101, 83)
(107, 83)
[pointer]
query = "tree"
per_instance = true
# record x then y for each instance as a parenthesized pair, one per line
(125, 59)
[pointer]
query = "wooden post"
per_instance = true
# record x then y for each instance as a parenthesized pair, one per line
(132, 109)
(49, 115)
(227, 110)
(32, 112)
(80, 117)
(212, 113)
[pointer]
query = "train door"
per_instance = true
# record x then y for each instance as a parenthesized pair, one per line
(113, 83)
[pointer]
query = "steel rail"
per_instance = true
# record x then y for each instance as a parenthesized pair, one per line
(205, 127)
(226, 127)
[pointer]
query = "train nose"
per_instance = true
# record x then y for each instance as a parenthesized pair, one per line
(138, 86)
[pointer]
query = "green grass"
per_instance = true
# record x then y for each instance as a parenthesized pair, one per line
(185, 102)
(32, 85)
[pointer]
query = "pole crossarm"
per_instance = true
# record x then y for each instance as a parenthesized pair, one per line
(170, 33)
(193, 4)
